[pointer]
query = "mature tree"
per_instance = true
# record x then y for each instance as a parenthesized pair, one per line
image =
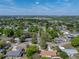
(31, 50)
(1, 56)
(47, 26)
(43, 40)
(1, 30)
(18, 32)
(22, 38)
(70, 27)
(34, 38)
(53, 34)
(2, 43)
(75, 41)
(8, 32)
(64, 55)
(33, 29)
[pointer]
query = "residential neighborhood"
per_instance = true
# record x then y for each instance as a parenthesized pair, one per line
(39, 38)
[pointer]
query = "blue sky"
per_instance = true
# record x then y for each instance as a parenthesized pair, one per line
(39, 7)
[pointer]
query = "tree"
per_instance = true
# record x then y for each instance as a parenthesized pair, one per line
(31, 50)
(2, 43)
(75, 41)
(64, 55)
(47, 26)
(8, 32)
(22, 38)
(52, 34)
(1, 30)
(1, 56)
(34, 38)
(18, 32)
(43, 40)
(33, 29)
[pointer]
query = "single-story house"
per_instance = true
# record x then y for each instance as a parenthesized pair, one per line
(14, 54)
(2, 50)
(70, 51)
(44, 53)
(70, 36)
(27, 35)
(60, 40)
(28, 39)
(26, 29)
(17, 40)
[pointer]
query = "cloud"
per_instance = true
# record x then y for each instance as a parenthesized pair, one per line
(38, 10)
(8, 2)
(37, 2)
(59, 8)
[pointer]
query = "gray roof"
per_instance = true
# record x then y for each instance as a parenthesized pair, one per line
(17, 53)
(71, 52)
(1, 50)
(28, 39)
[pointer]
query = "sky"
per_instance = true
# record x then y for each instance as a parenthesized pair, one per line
(39, 7)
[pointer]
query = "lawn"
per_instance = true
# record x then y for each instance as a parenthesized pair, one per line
(68, 46)
(77, 48)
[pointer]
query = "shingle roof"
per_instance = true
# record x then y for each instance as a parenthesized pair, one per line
(71, 52)
(17, 53)
(1, 50)
(48, 53)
